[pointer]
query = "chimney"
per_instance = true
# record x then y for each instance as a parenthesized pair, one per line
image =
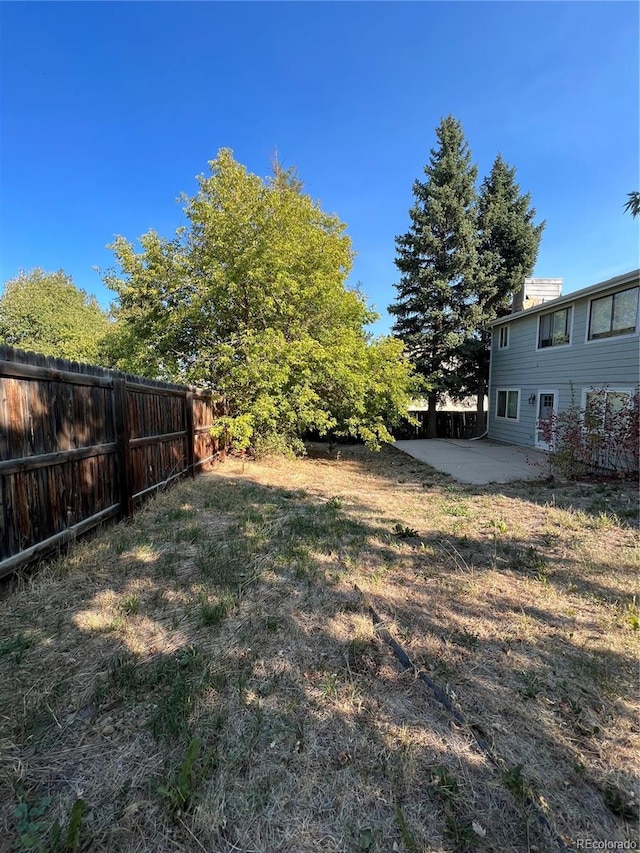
(535, 291)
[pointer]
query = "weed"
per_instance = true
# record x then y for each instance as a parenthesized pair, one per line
(32, 831)
(272, 623)
(187, 533)
(405, 831)
(177, 514)
(366, 839)
(458, 510)
(167, 563)
(464, 638)
(542, 578)
(178, 791)
(223, 562)
(529, 561)
(40, 836)
(445, 787)
(124, 673)
(351, 606)
(603, 521)
(304, 566)
(330, 686)
(378, 575)
(515, 782)
(443, 783)
(177, 681)
(629, 512)
(184, 677)
(69, 841)
(334, 503)
(619, 804)
(115, 624)
(212, 615)
(632, 615)
(130, 604)
(551, 538)
(18, 644)
(361, 655)
(259, 796)
(532, 684)
(39, 724)
(403, 532)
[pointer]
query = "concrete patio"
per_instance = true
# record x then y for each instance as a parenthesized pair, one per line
(478, 462)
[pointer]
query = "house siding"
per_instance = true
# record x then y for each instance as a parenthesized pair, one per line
(567, 369)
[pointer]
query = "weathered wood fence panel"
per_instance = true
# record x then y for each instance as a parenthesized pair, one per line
(448, 425)
(80, 444)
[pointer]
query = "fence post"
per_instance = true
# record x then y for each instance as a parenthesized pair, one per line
(191, 437)
(122, 439)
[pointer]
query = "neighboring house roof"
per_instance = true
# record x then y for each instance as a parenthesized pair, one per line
(626, 278)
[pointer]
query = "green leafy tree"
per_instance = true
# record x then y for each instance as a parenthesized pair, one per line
(45, 312)
(633, 203)
(437, 258)
(250, 298)
(508, 242)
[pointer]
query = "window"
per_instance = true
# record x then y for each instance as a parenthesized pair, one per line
(554, 328)
(503, 338)
(508, 403)
(601, 406)
(615, 314)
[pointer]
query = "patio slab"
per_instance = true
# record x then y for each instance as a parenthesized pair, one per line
(478, 462)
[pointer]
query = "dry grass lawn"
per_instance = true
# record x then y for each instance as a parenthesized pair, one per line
(209, 675)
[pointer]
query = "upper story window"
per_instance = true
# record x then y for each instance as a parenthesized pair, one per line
(503, 336)
(554, 328)
(615, 314)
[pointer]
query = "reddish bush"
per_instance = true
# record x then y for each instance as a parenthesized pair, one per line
(600, 439)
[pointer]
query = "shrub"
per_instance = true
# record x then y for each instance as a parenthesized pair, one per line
(599, 439)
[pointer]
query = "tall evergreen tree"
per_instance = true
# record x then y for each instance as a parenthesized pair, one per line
(508, 242)
(436, 258)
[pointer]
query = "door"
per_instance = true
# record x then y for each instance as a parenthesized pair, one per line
(547, 403)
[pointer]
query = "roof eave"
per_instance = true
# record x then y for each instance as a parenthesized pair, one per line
(618, 280)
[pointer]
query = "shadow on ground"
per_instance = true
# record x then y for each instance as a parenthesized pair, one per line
(207, 676)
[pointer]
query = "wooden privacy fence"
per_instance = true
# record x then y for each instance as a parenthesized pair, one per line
(448, 425)
(81, 444)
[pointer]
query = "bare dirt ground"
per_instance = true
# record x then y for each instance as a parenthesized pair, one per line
(209, 676)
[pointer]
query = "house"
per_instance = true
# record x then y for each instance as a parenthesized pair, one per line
(544, 357)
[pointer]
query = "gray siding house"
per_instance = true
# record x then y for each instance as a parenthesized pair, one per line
(542, 356)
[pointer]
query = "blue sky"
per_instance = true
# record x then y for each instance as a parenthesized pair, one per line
(110, 110)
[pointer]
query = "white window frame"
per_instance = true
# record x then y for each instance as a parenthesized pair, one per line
(589, 340)
(505, 417)
(600, 429)
(542, 314)
(507, 334)
(629, 390)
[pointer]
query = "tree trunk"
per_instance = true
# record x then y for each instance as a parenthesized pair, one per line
(480, 417)
(432, 428)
